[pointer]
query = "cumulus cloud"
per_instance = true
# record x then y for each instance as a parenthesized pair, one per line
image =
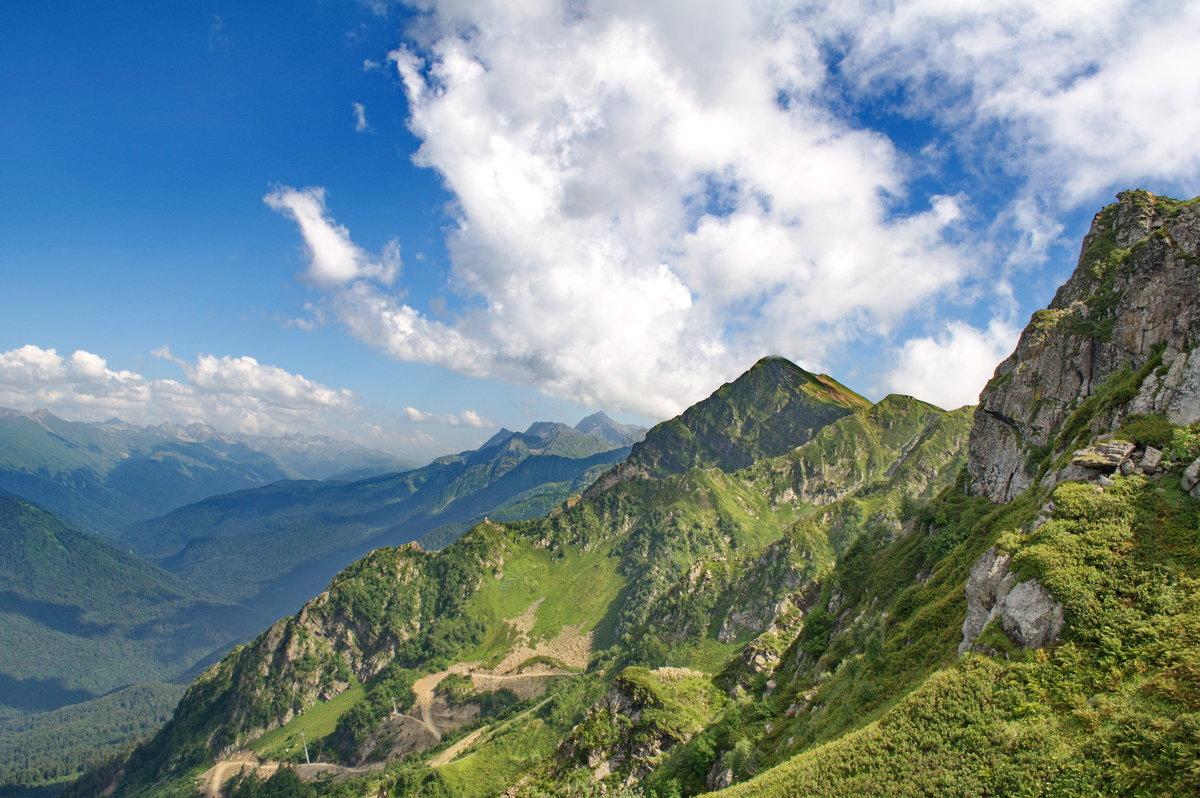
(467, 418)
(951, 368)
(234, 393)
(1088, 96)
(647, 200)
(650, 196)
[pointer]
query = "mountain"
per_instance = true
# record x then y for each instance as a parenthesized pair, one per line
(773, 407)
(109, 475)
(685, 570)
(273, 547)
(82, 618)
(1117, 339)
(771, 597)
(617, 434)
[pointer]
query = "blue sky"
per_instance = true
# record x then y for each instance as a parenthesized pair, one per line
(408, 224)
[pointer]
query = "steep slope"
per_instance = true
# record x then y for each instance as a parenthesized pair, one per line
(773, 407)
(275, 546)
(1046, 645)
(81, 618)
(691, 570)
(1118, 338)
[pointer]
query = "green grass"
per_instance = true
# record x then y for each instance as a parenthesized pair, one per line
(285, 742)
(1112, 710)
(576, 589)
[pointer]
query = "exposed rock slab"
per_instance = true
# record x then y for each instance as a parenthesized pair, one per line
(1105, 456)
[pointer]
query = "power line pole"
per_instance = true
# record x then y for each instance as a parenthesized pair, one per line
(304, 740)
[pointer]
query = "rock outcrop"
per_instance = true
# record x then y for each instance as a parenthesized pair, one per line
(641, 718)
(1128, 313)
(1028, 614)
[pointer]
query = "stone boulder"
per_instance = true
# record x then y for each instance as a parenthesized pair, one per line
(1105, 456)
(1028, 614)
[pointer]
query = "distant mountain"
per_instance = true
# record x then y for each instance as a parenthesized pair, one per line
(617, 434)
(275, 546)
(81, 618)
(109, 475)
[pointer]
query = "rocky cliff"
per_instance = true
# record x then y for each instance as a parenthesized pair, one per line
(1118, 338)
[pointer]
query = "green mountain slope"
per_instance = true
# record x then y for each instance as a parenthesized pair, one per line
(773, 407)
(275, 546)
(688, 571)
(81, 618)
(51, 747)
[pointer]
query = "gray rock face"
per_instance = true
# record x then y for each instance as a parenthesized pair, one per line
(1134, 292)
(719, 776)
(1028, 614)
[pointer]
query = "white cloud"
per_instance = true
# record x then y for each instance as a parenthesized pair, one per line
(360, 118)
(1090, 96)
(638, 213)
(467, 418)
(950, 369)
(650, 196)
(333, 259)
(234, 393)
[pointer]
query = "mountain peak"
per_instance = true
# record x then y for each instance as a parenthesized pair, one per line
(772, 408)
(599, 418)
(545, 429)
(600, 425)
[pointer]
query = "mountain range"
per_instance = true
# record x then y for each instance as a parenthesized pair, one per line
(786, 590)
(84, 615)
(107, 476)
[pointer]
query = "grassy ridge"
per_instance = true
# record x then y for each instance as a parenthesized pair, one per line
(1111, 711)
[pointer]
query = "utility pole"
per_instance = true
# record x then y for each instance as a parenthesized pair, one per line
(304, 740)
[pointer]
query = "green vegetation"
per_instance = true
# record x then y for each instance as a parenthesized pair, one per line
(68, 598)
(286, 743)
(55, 746)
(1147, 430)
(1111, 711)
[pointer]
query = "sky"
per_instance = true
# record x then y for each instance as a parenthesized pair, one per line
(410, 223)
